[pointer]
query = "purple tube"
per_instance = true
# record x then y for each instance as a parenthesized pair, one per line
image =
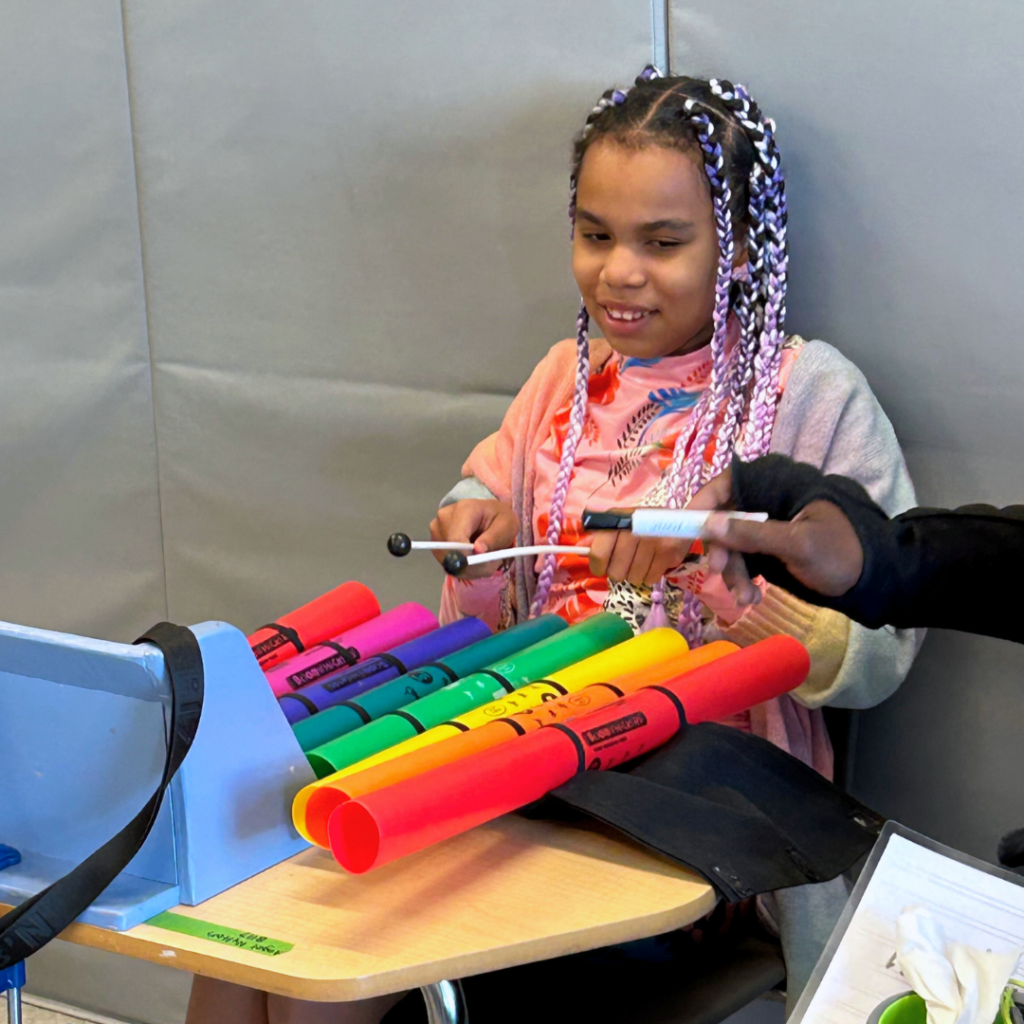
(345, 685)
(328, 659)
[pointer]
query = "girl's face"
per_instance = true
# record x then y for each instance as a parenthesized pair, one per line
(645, 252)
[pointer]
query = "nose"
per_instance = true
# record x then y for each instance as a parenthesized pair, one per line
(623, 268)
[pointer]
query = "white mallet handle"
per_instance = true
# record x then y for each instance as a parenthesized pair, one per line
(680, 522)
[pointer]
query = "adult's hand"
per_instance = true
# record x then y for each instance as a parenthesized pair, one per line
(818, 546)
(488, 525)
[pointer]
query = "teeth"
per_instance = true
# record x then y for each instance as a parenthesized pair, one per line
(626, 314)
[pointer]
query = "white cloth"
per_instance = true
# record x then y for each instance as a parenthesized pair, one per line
(959, 984)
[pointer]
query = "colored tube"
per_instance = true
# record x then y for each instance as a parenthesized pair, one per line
(382, 667)
(332, 657)
(351, 714)
(636, 653)
(424, 809)
(597, 633)
(326, 799)
(495, 652)
(331, 613)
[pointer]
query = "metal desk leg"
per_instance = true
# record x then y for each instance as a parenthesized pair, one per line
(11, 981)
(446, 1003)
(14, 1006)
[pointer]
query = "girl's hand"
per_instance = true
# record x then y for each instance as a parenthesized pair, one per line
(619, 555)
(487, 525)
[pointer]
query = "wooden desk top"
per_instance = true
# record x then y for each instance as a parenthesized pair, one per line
(506, 893)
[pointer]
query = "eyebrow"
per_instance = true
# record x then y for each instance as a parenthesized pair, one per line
(668, 224)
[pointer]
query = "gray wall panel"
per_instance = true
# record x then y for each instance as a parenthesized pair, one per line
(899, 126)
(338, 197)
(79, 516)
(366, 189)
(277, 489)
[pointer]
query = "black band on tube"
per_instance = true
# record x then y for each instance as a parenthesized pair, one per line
(414, 722)
(520, 731)
(675, 700)
(303, 700)
(287, 632)
(390, 659)
(506, 685)
(360, 711)
(350, 654)
(576, 742)
(556, 686)
(450, 673)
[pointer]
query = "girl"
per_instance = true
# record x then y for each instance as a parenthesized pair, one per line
(678, 209)
(679, 250)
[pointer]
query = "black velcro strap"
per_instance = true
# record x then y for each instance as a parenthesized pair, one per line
(576, 742)
(358, 709)
(40, 918)
(505, 684)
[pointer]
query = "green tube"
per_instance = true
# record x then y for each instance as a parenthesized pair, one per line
(596, 634)
(347, 717)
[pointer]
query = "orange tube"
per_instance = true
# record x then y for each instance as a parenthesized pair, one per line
(326, 798)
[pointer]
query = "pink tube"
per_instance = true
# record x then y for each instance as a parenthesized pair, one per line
(394, 627)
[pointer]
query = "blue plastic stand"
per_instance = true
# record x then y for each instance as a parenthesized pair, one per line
(82, 743)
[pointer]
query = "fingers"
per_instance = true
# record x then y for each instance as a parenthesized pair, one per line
(737, 579)
(771, 538)
(500, 532)
(716, 493)
(488, 525)
(619, 555)
(819, 547)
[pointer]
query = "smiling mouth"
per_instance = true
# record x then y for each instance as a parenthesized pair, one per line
(628, 316)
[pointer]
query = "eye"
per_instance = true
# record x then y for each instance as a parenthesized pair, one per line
(596, 236)
(666, 243)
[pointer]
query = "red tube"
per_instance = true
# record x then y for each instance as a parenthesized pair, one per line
(744, 679)
(416, 812)
(326, 616)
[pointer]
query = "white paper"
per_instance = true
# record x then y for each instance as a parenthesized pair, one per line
(972, 907)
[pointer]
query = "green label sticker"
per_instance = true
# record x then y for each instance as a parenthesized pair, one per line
(219, 933)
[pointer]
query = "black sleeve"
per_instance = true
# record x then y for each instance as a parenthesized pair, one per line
(928, 567)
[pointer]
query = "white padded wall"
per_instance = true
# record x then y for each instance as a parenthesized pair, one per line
(79, 514)
(356, 250)
(900, 128)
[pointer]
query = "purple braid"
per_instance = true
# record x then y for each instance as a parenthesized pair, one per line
(761, 417)
(688, 470)
(577, 417)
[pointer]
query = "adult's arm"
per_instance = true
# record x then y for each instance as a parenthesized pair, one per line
(913, 568)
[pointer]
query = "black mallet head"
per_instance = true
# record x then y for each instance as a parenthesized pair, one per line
(399, 544)
(455, 563)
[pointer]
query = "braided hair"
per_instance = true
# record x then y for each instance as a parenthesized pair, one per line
(737, 144)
